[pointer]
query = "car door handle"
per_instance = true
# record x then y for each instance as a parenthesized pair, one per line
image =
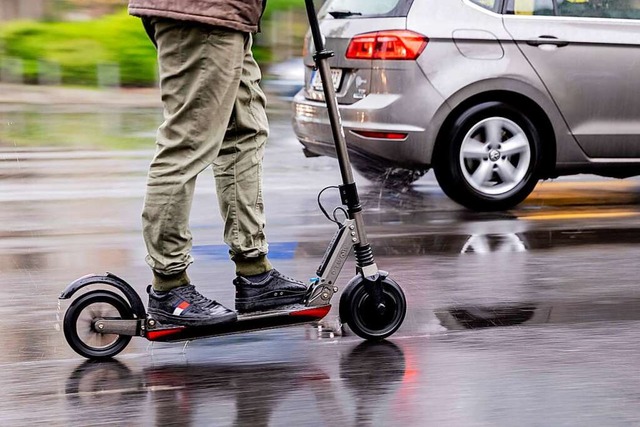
(547, 40)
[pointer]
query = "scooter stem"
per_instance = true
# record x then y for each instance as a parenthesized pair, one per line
(321, 58)
(348, 190)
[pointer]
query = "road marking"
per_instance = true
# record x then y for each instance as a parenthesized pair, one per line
(577, 215)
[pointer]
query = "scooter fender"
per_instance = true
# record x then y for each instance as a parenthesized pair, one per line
(359, 277)
(351, 285)
(110, 280)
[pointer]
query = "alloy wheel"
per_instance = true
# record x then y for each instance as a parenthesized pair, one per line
(495, 155)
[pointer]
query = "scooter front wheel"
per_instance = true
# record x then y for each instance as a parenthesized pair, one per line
(365, 317)
(79, 324)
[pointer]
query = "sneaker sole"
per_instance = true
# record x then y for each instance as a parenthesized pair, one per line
(170, 319)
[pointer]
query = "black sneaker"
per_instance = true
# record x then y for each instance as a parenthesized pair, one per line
(185, 306)
(273, 291)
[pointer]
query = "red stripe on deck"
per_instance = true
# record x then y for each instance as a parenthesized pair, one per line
(317, 312)
(154, 335)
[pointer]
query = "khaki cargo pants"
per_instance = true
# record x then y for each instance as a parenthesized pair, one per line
(214, 114)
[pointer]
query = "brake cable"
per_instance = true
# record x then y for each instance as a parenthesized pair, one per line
(337, 209)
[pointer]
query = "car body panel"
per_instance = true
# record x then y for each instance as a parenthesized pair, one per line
(599, 102)
(478, 44)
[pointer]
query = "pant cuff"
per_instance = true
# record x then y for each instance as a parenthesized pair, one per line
(166, 282)
(252, 266)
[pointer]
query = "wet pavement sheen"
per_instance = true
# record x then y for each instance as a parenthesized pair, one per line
(527, 317)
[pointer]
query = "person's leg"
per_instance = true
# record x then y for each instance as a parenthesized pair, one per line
(200, 71)
(238, 173)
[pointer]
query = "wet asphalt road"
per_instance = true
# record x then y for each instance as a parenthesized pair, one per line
(528, 317)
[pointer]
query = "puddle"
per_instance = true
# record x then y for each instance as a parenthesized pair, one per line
(520, 314)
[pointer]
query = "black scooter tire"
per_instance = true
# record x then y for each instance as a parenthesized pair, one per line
(72, 316)
(357, 309)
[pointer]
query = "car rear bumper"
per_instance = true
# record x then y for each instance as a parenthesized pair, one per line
(374, 113)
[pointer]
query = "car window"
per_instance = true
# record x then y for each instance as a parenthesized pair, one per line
(366, 8)
(487, 4)
(621, 9)
(581, 8)
(530, 7)
(618, 9)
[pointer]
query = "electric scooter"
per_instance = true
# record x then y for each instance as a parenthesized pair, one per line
(100, 323)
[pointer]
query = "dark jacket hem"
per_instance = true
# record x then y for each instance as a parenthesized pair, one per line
(181, 16)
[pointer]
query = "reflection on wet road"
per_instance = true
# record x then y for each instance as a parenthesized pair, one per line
(207, 392)
(526, 317)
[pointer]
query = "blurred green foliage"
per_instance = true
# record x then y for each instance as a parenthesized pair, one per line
(275, 5)
(79, 48)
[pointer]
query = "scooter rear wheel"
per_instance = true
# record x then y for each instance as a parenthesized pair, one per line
(80, 318)
(358, 310)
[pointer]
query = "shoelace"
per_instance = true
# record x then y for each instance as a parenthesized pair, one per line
(198, 299)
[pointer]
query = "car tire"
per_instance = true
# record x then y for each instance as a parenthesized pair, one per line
(490, 158)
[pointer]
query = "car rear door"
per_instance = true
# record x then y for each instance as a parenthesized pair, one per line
(587, 53)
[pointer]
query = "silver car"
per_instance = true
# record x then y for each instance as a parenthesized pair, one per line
(494, 95)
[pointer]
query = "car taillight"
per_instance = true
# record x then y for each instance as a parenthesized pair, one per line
(397, 136)
(393, 44)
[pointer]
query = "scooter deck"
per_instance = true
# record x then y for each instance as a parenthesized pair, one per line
(296, 315)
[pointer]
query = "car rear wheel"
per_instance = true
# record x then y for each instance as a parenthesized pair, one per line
(491, 157)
